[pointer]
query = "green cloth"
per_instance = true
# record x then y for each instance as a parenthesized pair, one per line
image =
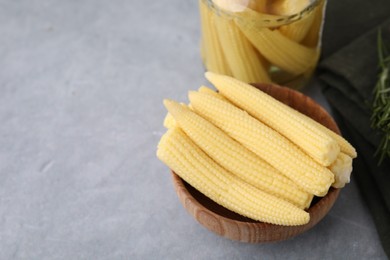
(348, 78)
(345, 20)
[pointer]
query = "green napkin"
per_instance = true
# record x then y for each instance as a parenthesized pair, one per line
(348, 78)
(348, 19)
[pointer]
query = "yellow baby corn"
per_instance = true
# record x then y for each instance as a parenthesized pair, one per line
(279, 50)
(241, 56)
(345, 146)
(188, 161)
(341, 169)
(297, 30)
(297, 127)
(265, 142)
(234, 157)
(212, 52)
(204, 89)
(169, 121)
(314, 33)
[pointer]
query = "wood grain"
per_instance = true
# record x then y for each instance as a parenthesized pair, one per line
(236, 227)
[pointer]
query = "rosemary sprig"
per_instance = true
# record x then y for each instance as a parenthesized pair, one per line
(380, 118)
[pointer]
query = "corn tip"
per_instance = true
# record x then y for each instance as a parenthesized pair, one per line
(167, 102)
(204, 88)
(193, 94)
(209, 75)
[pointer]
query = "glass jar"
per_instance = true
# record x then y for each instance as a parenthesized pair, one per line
(276, 41)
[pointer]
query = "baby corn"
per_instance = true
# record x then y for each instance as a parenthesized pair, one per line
(213, 56)
(298, 128)
(279, 50)
(195, 167)
(241, 56)
(265, 142)
(341, 169)
(234, 157)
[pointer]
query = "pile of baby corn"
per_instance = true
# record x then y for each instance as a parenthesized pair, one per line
(251, 153)
(255, 37)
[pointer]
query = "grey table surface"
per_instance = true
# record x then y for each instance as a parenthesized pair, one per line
(82, 84)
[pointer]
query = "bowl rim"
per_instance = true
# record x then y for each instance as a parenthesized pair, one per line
(203, 214)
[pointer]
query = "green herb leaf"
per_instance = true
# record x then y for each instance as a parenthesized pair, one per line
(380, 117)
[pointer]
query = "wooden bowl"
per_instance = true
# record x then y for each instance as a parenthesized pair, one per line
(236, 227)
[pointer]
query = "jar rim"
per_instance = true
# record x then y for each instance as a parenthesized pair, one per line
(270, 20)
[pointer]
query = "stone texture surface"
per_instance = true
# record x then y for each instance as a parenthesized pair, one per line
(81, 113)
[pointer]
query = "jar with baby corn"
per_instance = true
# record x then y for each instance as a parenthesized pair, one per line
(262, 41)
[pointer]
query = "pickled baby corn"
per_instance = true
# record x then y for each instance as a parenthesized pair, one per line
(312, 39)
(264, 142)
(280, 50)
(234, 157)
(298, 128)
(341, 168)
(211, 49)
(298, 30)
(240, 55)
(261, 41)
(195, 167)
(231, 146)
(204, 89)
(169, 121)
(344, 145)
